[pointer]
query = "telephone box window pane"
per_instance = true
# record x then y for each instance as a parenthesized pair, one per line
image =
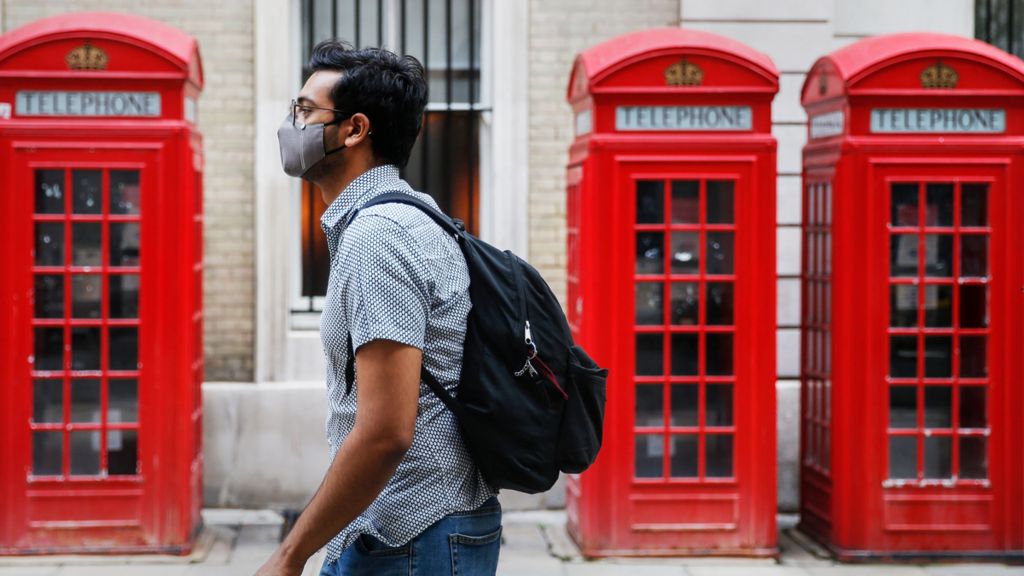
(124, 295)
(685, 399)
(938, 356)
(938, 306)
(685, 252)
(85, 348)
(49, 244)
(649, 303)
(649, 253)
(650, 405)
(47, 453)
(903, 457)
(904, 250)
(938, 255)
(87, 191)
(903, 356)
(47, 401)
(49, 296)
(50, 193)
(649, 358)
(719, 404)
(720, 255)
(718, 354)
(904, 205)
(974, 256)
(124, 348)
(974, 205)
(973, 306)
(86, 290)
(938, 457)
(973, 363)
(85, 244)
(650, 202)
(49, 349)
(685, 304)
(902, 407)
(972, 407)
(124, 192)
(902, 305)
(939, 210)
(684, 456)
(718, 460)
(124, 244)
(938, 407)
(720, 202)
(720, 303)
(685, 202)
(123, 401)
(649, 451)
(684, 354)
(122, 452)
(973, 458)
(85, 453)
(85, 400)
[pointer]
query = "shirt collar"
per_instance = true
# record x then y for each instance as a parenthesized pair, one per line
(354, 194)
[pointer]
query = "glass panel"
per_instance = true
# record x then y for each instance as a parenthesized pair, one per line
(974, 256)
(684, 354)
(938, 306)
(123, 401)
(124, 295)
(938, 457)
(85, 244)
(124, 348)
(86, 292)
(973, 306)
(938, 255)
(649, 451)
(649, 301)
(904, 205)
(49, 244)
(649, 358)
(904, 250)
(938, 356)
(49, 296)
(973, 363)
(903, 356)
(684, 456)
(685, 401)
(719, 404)
(938, 407)
(124, 244)
(85, 348)
(650, 405)
(902, 407)
(122, 452)
(718, 457)
(49, 192)
(718, 354)
(720, 303)
(85, 400)
(85, 453)
(47, 401)
(685, 252)
(939, 211)
(87, 191)
(902, 305)
(49, 349)
(974, 205)
(46, 453)
(650, 202)
(685, 304)
(720, 253)
(720, 202)
(903, 457)
(972, 407)
(685, 202)
(124, 192)
(973, 458)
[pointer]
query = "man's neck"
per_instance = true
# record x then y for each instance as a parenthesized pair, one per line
(334, 184)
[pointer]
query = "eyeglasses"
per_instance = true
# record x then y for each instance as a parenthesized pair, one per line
(302, 111)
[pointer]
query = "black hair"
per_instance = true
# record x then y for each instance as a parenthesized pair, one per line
(389, 89)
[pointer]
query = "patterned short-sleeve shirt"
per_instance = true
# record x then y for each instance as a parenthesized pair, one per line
(396, 275)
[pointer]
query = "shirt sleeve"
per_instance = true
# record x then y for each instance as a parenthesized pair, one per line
(388, 289)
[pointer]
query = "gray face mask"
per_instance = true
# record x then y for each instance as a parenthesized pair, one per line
(302, 145)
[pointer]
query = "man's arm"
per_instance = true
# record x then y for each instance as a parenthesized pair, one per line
(388, 395)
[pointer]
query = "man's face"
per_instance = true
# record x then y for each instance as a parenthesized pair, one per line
(314, 108)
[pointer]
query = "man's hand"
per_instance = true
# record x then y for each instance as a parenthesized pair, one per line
(277, 565)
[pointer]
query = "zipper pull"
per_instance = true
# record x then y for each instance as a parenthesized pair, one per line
(530, 355)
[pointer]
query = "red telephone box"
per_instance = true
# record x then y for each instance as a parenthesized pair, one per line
(101, 353)
(671, 282)
(913, 310)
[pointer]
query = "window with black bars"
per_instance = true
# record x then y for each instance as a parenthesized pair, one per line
(1000, 23)
(444, 35)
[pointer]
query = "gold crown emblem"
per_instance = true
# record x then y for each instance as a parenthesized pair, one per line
(822, 84)
(87, 57)
(684, 73)
(939, 76)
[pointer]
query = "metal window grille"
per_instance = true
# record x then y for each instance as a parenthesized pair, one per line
(1000, 23)
(445, 36)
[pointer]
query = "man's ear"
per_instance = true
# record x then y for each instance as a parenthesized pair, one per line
(359, 129)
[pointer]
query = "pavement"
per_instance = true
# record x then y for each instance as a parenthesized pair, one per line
(236, 542)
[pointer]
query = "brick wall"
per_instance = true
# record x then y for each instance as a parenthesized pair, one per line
(225, 34)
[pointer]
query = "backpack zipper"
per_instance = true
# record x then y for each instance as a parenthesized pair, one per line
(531, 347)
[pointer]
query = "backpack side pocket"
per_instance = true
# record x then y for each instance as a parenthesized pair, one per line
(582, 426)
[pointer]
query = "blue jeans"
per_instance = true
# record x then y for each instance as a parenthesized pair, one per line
(463, 543)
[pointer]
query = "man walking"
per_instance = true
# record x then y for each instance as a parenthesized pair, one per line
(402, 494)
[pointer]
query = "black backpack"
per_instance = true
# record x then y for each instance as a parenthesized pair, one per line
(530, 403)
